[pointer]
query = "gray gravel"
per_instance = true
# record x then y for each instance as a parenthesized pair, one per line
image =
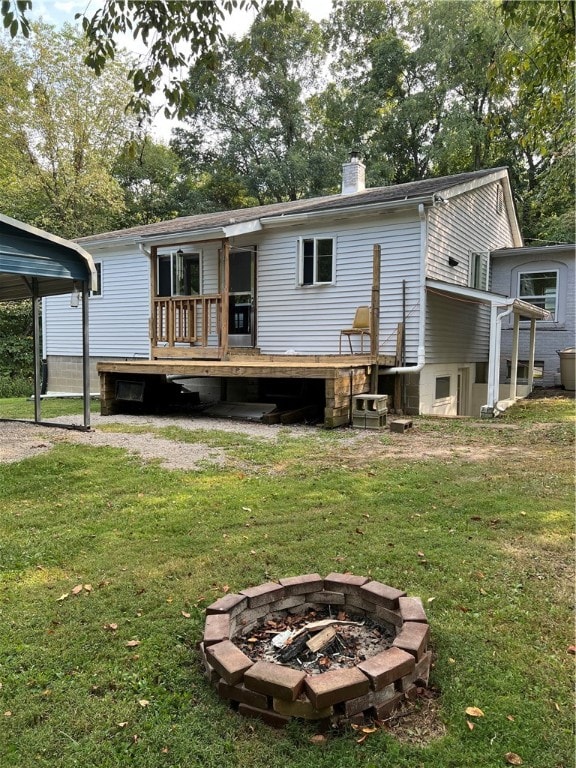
(20, 440)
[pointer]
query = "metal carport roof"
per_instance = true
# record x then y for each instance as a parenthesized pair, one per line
(34, 264)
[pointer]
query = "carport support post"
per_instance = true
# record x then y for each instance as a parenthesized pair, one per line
(85, 353)
(37, 347)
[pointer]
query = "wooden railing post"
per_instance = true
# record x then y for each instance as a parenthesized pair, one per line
(225, 292)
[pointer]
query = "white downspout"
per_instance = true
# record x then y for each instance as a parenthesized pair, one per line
(421, 359)
(494, 359)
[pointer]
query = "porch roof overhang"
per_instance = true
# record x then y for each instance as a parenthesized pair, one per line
(517, 306)
(203, 235)
(37, 263)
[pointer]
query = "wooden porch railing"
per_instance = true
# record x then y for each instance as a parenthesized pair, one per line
(186, 319)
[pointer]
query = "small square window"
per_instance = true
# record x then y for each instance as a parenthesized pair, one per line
(442, 387)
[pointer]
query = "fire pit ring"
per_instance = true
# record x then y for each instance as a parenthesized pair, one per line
(276, 693)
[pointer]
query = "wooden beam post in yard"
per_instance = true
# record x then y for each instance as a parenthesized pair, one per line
(375, 317)
(225, 296)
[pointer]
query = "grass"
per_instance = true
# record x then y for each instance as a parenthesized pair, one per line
(487, 544)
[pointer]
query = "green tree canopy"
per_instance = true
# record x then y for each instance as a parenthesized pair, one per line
(64, 127)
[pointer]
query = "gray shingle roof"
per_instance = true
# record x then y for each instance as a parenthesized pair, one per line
(202, 221)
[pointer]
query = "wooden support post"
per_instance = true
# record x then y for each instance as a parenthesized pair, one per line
(225, 293)
(375, 316)
(398, 380)
(37, 349)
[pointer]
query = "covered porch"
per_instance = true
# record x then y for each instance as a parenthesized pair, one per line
(500, 308)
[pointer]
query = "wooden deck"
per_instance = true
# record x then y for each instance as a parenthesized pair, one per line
(343, 375)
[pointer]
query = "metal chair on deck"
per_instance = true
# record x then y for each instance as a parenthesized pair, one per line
(360, 327)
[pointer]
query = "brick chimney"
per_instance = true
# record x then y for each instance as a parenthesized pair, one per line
(353, 175)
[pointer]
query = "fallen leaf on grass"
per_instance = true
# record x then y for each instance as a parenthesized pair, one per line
(186, 615)
(318, 738)
(7, 713)
(111, 627)
(511, 718)
(470, 725)
(421, 554)
(122, 725)
(143, 702)
(77, 589)
(474, 712)
(513, 759)
(132, 643)
(88, 588)
(571, 649)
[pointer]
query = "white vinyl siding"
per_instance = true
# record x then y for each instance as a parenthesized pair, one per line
(456, 331)
(118, 319)
(551, 335)
(465, 224)
(309, 321)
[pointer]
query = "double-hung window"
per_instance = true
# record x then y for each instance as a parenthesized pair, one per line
(179, 274)
(316, 260)
(540, 288)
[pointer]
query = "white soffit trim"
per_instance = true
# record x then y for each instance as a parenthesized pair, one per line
(485, 297)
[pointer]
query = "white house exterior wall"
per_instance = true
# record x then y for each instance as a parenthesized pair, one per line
(308, 319)
(551, 335)
(457, 331)
(465, 224)
(118, 318)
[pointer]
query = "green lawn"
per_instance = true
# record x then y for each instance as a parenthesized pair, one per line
(487, 542)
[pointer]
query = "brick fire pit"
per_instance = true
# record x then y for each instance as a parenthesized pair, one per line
(275, 693)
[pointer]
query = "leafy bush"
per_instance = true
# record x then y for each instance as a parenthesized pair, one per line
(16, 342)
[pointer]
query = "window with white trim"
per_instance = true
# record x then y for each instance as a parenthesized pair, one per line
(540, 288)
(479, 271)
(316, 260)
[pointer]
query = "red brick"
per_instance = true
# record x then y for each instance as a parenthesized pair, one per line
(344, 582)
(251, 616)
(302, 708)
(370, 699)
(263, 594)
(325, 598)
(242, 695)
(228, 661)
(299, 585)
(357, 601)
(386, 667)
(411, 609)
(287, 603)
(392, 617)
(421, 673)
(382, 711)
(232, 604)
(275, 680)
(332, 687)
(266, 715)
(382, 594)
(413, 638)
(216, 628)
